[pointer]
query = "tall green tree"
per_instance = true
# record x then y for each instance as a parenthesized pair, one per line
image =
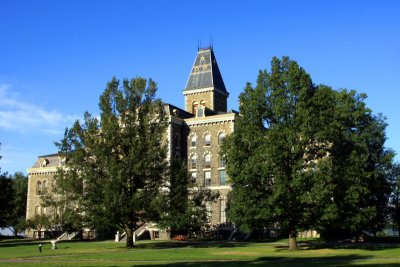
(265, 153)
(116, 164)
(356, 166)
(305, 156)
(6, 197)
(16, 222)
(394, 206)
(6, 200)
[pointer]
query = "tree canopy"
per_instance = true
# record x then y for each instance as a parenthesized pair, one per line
(116, 164)
(13, 194)
(305, 156)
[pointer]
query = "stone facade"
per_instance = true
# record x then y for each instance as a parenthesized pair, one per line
(194, 134)
(40, 181)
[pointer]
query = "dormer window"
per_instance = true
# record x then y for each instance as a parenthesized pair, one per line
(200, 112)
(43, 163)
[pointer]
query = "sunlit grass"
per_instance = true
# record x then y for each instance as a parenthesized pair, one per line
(196, 254)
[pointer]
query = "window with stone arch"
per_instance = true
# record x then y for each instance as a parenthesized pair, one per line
(195, 104)
(207, 161)
(207, 139)
(38, 187)
(221, 138)
(203, 103)
(193, 162)
(193, 140)
(44, 187)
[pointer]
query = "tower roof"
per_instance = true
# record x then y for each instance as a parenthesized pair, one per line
(205, 72)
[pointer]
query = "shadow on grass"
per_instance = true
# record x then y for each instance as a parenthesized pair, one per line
(17, 243)
(275, 261)
(191, 244)
(340, 245)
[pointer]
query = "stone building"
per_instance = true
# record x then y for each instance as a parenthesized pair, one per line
(194, 134)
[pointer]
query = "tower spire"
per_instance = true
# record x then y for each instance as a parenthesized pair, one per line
(205, 82)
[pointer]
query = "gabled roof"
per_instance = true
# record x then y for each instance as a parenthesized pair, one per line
(205, 72)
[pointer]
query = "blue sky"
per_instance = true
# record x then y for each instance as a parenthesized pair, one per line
(57, 56)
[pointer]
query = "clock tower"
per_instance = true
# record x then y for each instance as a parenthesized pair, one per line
(205, 89)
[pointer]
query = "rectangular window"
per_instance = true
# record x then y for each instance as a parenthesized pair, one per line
(222, 162)
(194, 160)
(207, 161)
(194, 177)
(207, 140)
(193, 141)
(207, 178)
(222, 177)
(223, 211)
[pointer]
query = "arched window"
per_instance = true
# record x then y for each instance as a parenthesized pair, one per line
(207, 161)
(193, 162)
(44, 187)
(193, 141)
(38, 187)
(207, 140)
(194, 107)
(221, 138)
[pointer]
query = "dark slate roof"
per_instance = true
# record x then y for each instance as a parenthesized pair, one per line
(53, 160)
(205, 72)
(177, 112)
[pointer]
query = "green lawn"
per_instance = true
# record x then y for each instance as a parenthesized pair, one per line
(196, 254)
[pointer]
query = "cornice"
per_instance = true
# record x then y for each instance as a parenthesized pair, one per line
(223, 118)
(43, 170)
(204, 90)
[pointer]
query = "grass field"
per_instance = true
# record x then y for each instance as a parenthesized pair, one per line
(196, 254)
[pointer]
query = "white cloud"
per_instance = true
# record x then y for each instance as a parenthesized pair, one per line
(19, 116)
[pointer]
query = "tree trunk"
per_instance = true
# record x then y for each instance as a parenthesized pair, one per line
(292, 241)
(129, 237)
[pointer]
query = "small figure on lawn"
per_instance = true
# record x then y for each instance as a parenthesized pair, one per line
(40, 248)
